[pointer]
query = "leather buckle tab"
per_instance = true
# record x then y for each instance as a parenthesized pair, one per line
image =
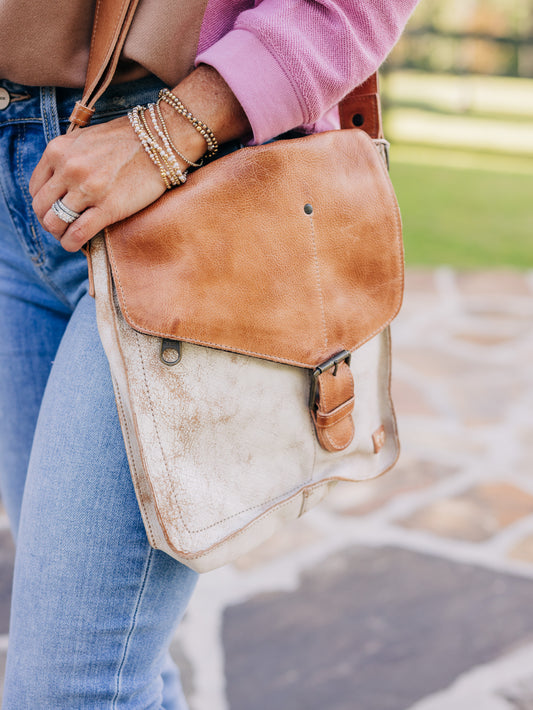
(333, 362)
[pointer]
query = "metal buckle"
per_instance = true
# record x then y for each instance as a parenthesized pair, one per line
(333, 362)
(383, 147)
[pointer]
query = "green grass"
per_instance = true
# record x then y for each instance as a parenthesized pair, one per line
(463, 217)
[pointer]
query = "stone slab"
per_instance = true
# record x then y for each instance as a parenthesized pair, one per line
(407, 476)
(7, 556)
(523, 550)
(371, 629)
(296, 535)
(476, 515)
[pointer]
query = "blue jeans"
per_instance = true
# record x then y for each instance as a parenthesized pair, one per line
(94, 606)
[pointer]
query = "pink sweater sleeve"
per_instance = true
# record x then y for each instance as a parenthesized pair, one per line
(289, 61)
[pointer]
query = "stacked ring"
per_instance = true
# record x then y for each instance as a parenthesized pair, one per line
(64, 213)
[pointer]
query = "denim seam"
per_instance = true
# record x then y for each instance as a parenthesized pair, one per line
(34, 247)
(37, 252)
(5, 121)
(49, 113)
(132, 627)
(6, 201)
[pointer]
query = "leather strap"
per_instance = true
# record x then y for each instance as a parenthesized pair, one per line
(361, 108)
(333, 414)
(112, 20)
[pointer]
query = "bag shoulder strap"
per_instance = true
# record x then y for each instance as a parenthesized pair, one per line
(361, 108)
(112, 20)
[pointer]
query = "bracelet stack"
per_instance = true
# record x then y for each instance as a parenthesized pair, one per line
(164, 154)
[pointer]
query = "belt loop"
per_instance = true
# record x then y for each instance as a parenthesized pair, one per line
(49, 113)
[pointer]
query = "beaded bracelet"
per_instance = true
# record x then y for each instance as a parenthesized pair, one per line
(202, 128)
(173, 167)
(171, 144)
(164, 160)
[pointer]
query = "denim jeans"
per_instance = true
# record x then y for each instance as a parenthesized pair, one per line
(94, 606)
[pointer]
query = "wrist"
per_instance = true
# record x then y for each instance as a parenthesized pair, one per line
(184, 136)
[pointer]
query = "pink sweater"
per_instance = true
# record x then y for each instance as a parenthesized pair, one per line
(290, 61)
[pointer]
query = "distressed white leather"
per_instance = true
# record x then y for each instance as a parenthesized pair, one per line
(221, 447)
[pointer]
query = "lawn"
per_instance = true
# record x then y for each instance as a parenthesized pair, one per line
(462, 169)
(465, 217)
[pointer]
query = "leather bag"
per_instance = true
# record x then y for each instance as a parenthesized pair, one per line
(245, 317)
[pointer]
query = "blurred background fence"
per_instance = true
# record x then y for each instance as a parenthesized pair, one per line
(458, 110)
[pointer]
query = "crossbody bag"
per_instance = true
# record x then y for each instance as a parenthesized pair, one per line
(245, 317)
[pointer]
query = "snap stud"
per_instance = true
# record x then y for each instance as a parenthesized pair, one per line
(308, 209)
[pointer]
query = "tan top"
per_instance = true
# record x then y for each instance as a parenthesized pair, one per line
(46, 42)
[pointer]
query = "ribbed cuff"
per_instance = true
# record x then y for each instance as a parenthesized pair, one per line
(265, 92)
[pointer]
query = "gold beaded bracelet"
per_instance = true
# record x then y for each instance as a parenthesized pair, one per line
(202, 128)
(171, 144)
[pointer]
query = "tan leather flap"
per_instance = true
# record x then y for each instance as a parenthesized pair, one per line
(289, 251)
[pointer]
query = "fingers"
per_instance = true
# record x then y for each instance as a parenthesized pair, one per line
(50, 160)
(47, 184)
(51, 191)
(92, 221)
(53, 223)
(42, 173)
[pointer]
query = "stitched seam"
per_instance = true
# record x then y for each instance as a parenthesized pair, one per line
(36, 248)
(335, 442)
(45, 122)
(397, 222)
(167, 471)
(132, 627)
(23, 242)
(38, 245)
(47, 96)
(133, 323)
(133, 466)
(5, 121)
(152, 412)
(267, 514)
(230, 348)
(346, 404)
(253, 507)
(108, 54)
(319, 283)
(93, 37)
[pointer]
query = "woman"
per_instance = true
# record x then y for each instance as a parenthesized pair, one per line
(94, 607)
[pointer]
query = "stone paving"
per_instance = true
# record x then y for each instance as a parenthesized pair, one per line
(411, 591)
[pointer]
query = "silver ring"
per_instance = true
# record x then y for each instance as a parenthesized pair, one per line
(64, 213)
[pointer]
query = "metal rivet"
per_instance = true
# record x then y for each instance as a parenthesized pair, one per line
(308, 209)
(358, 119)
(5, 98)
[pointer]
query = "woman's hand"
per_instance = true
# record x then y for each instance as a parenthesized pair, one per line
(101, 171)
